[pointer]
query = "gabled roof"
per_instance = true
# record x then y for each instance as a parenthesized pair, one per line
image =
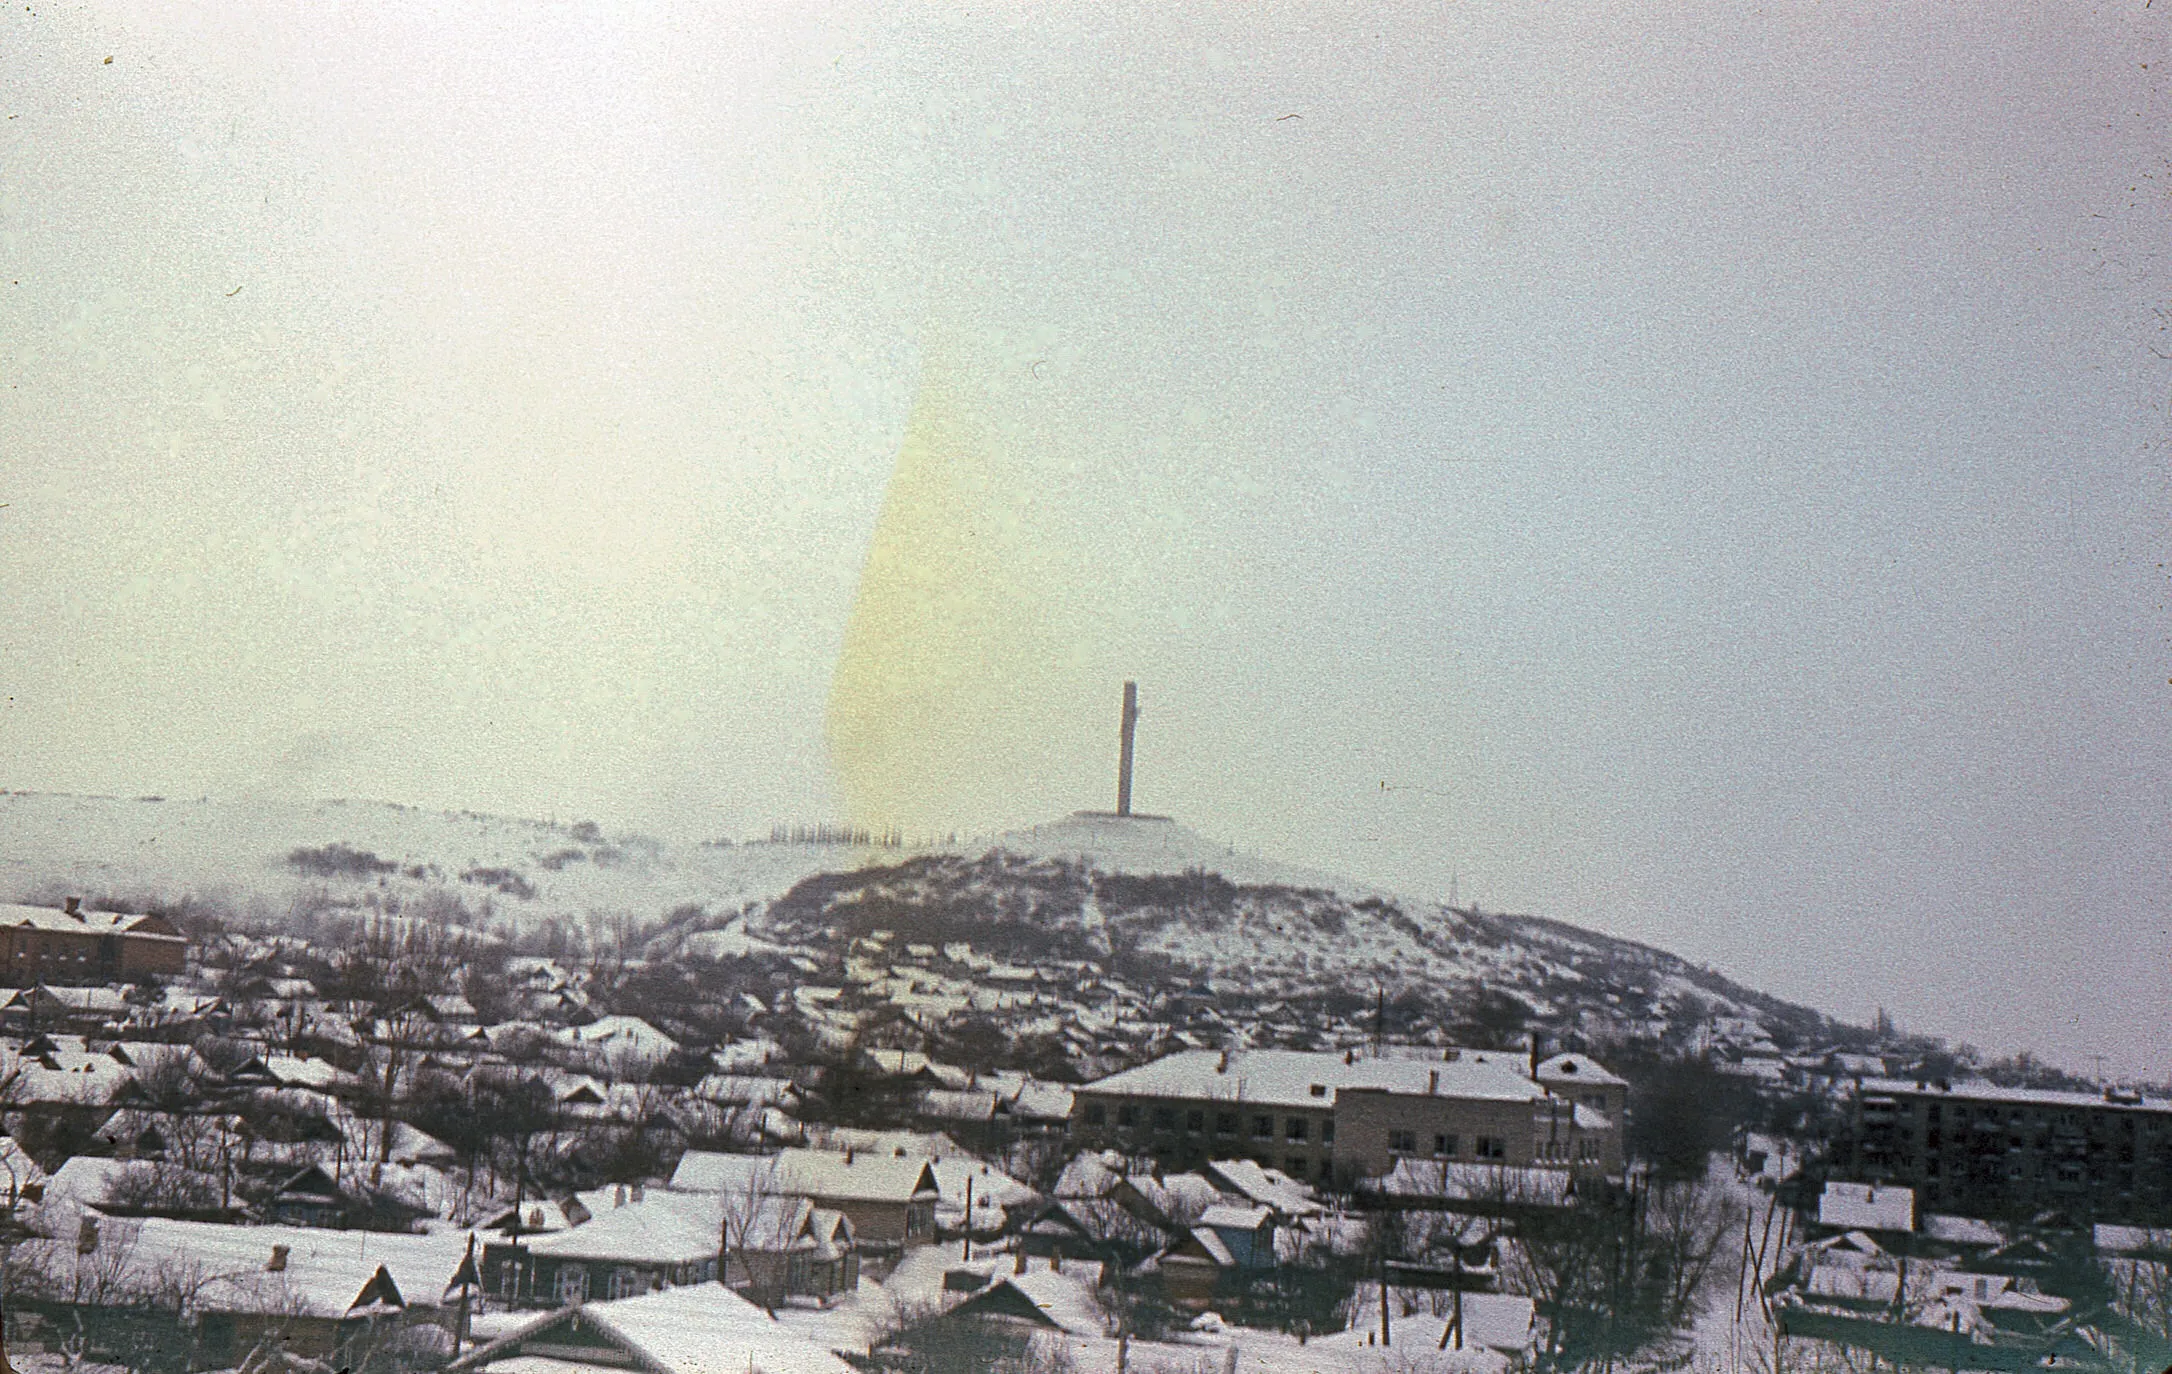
(1203, 1241)
(1268, 1187)
(1042, 1298)
(322, 1273)
(311, 1184)
(662, 1228)
(699, 1329)
(826, 1175)
(81, 922)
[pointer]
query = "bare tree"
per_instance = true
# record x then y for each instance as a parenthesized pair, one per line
(750, 1208)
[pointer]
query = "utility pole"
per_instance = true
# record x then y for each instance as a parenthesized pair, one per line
(967, 1252)
(1385, 1331)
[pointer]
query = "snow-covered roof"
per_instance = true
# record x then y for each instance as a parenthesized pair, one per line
(662, 1228)
(1041, 1101)
(1953, 1230)
(1571, 1069)
(1299, 1078)
(1867, 1207)
(697, 1329)
(1505, 1184)
(1226, 1216)
(322, 1273)
(83, 922)
(2130, 1240)
(299, 1072)
(1059, 1300)
(1209, 1240)
(1976, 1090)
(621, 1034)
(1267, 1187)
(68, 1077)
(845, 1176)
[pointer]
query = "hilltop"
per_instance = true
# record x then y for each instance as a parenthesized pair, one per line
(1147, 899)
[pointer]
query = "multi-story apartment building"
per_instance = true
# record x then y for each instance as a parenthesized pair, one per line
(1976, 1149)
(1341, 1117)
(39, 944)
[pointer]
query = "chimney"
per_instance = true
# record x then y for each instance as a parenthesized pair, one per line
(1018, 1266)
(1432, 1083)
(278, 1264)
(1222, 1065)
(618, 1196)
(74, 907)
(848, 1156)
(639, 1191)
(86, 1236)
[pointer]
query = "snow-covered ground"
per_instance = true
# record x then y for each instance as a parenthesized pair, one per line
(236, 851)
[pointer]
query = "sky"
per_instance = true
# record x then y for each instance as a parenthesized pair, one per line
(1695, 472)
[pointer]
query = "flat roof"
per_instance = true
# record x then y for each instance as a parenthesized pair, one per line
(1287, 1078)
(1977, 1090)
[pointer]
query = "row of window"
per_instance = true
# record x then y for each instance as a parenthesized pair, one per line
(1296, 1128)
(2071, 1118)
(1448, 1146)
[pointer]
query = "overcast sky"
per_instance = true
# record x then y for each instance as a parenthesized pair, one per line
(1694, 472)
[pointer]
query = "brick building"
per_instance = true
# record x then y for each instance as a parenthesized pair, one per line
(1336, 1118)
(1979, 1150)
(68, 945)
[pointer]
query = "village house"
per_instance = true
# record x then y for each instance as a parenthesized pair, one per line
(319, 1294)
(890, 1199)
(70, 945)
(1227, 1243)
(699, 1330)
(643, 1243)
(786, 1247)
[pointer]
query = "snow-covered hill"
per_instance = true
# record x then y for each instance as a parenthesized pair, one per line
(1144, 895)
(257, 858)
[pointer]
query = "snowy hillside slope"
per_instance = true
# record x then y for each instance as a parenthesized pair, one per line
(256, 859)
(1147, 898)
(1196, 932)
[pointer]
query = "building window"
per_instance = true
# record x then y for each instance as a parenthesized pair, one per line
(1164, 1119)
(1490, 1147)
(572, 1284)
(1295, 1128)
(1195, 1122)
(1225, 1123)
(1402, 1142)
(625, 1283)
(1096, 1114)
(1327, 1132)
(1127, 1116)
(1444, 1145)
(1296, 1167)
(1263, 1128)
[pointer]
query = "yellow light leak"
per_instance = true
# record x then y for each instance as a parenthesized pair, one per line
(939, 712)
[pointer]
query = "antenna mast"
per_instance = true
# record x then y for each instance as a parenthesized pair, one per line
(1123, 757)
